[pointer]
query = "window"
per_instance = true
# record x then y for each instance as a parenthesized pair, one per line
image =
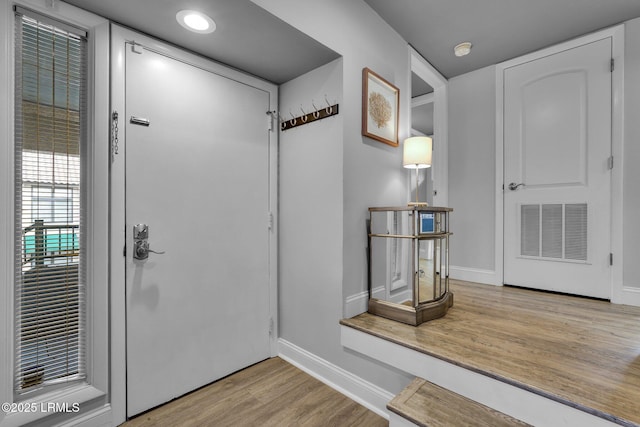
(50, 106)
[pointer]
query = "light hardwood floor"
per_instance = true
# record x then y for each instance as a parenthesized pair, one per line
(270, 393)
(581, 352)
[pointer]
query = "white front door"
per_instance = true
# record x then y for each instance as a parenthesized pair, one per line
(197, 174)
(557, 181)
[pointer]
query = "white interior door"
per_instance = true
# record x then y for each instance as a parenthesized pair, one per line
(198, 176)
(557, 143)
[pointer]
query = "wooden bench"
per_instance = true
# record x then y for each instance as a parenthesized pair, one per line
(425, 404)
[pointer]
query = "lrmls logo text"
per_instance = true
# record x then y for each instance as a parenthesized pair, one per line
(60, 407)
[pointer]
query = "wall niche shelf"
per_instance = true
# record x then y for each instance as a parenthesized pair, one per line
(409, 263)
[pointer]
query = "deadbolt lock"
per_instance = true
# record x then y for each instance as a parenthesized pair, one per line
(141, 247)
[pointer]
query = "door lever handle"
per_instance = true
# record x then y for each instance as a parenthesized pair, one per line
(141, 247)
(513, 186)
(141, 250)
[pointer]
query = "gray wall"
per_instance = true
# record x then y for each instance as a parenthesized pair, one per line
(330, 175)
(472, 164)
(631, 194)
(472, 169)
(311, 214)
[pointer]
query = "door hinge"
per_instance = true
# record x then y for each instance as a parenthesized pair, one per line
(613, 64)
(270, 220)
(610, 162)
(610, 259)
(271, 326)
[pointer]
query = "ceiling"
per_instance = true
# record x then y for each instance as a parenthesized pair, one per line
(247, 37)
(250, 39)
(498, 29)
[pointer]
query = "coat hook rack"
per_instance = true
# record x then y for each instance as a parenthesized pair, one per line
(305, 118)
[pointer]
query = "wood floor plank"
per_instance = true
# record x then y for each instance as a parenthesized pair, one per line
(578, 351)
(428, 405)
(272, 393)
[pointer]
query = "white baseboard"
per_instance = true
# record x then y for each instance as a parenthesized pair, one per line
(379, 292)
(400, 297)
(487, 277)
(99, 418)
(356, 304)
(396, 420)
(627, 296)
(368, 395)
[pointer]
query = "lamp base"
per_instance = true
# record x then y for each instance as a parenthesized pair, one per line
(421, 204)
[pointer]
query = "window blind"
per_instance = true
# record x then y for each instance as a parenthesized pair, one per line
(50, 126)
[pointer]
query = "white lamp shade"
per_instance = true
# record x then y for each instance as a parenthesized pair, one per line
(417, 152)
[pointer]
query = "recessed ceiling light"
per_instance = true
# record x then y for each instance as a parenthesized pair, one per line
(196, 21)
(462, 49)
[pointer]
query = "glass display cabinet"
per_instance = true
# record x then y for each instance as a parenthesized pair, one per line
(409, 263)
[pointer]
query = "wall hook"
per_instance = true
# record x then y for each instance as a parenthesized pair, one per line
(328, 109)
(316, 113)
(310, 117)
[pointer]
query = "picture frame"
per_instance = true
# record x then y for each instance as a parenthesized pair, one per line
(380, 108)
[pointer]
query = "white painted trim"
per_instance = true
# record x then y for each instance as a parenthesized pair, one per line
(440, 173)
(628, 295)
(97, 204)
(619, 293)
(379, 292)
(117, 266)
(396, 420)
(99, 418)
(356, 304)
(400, 297)
(70, 396)
(617, 36)
(274, 173)
(420, 100)
(499, 182)
(368, 395)
(487, 277)
(7, 66)
(501, 396)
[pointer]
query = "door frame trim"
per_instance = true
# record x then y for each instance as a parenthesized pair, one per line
(119, 36)
(439, 98)
(616, 34)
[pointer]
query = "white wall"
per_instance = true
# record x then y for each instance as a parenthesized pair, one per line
(472, 139)
(330, 175)
(631, 177)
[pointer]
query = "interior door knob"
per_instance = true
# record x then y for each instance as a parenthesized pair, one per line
(513, 186)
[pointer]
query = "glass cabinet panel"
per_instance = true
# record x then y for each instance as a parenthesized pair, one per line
(408, 262)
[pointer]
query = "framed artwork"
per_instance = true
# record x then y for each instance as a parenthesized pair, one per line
(380, 106)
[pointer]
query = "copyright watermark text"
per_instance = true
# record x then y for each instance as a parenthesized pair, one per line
(40, 407)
